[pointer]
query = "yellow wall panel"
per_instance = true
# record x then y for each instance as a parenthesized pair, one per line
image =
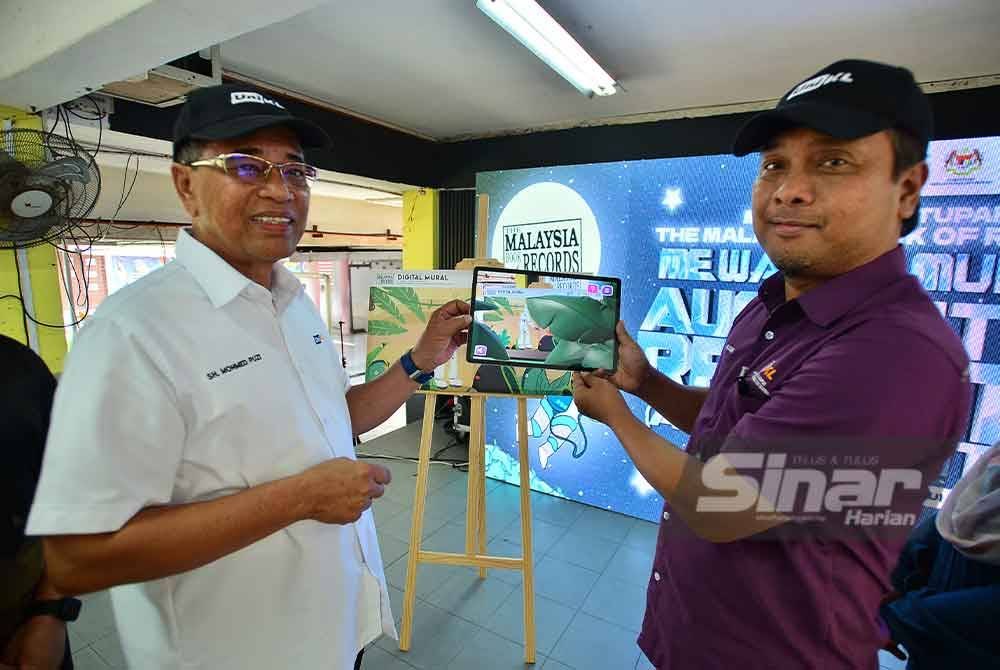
(420, 229)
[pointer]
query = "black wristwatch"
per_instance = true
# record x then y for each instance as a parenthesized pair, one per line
(64, 609)
(412, 371)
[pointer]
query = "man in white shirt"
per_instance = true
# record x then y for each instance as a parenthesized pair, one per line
(200, 460)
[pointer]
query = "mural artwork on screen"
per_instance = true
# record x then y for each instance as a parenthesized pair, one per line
(679, 234)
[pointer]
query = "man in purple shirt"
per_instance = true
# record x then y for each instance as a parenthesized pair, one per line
(841, 373)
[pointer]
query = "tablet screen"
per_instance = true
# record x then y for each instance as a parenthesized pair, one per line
(552, 320)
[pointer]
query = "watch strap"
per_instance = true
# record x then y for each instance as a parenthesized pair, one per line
(64, 609)
(412, 371)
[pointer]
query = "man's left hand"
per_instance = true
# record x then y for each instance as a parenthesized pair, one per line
(39, 644)
(598, 398)
(446, 331)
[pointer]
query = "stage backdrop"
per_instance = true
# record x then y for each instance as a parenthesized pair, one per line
(678, 232)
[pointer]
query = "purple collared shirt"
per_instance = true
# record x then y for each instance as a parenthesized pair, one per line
(865, 355)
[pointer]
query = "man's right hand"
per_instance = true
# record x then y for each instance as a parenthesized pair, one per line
(341, 489)
(633, 367)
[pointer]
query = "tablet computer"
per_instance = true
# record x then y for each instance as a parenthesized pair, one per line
(547, 320)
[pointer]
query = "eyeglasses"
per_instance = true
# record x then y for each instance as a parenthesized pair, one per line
(255, 170)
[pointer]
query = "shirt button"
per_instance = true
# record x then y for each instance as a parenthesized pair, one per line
(769, 335)
(666, 516)
(656, 576)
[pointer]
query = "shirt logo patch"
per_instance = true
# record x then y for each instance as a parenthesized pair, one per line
(768, 372)
(317, 338)
(756, 382)
(238, 365)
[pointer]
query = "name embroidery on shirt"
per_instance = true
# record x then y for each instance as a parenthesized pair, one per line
(214, 374)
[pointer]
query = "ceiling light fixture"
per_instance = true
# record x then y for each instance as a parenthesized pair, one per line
(535, 29)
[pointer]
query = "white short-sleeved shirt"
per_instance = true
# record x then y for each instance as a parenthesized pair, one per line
(194, 383)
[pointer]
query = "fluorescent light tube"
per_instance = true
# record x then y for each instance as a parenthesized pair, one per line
(533, 27)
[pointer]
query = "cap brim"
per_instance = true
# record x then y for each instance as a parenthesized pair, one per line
(310, 135)
(839, 122)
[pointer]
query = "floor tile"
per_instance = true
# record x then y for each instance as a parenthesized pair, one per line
(391, 548)
(594, 644)
(563, 582)
(631, 565)
(551, 620)
(377, 658)
(96, 618)
(109, 648)
(471, 598)
(603, 524)
(586, 551)
(489, 651)
(618, 602)
(429, 577)
(543, 535)
(399, 526)
(449, 538)
(642, 536)
(555, 510)
(88, 659)
(396, 603)
(385, 509)
(438, 637)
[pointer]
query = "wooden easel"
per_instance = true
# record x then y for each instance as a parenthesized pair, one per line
(475, 520)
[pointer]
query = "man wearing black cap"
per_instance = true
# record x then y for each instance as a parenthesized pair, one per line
(840, 375)
(200, 460)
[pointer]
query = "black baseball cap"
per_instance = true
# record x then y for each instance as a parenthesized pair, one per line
(848, 100)
(232, 110)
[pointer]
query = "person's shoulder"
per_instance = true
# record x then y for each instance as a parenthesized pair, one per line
(911, 326)
(147, 299)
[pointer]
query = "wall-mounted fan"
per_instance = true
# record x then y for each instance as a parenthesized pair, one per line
(48, 184)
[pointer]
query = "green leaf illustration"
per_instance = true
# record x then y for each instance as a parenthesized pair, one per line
(536, 382)
(504, 338)
(373, 354)
(382, 299)
(560, 384)
(567, 353)
(484, 335)
(510, 379)
(504, 303)
(379, 327)
(494, 318)
(580, 319)
(600, 355)
(485, 305)
(408, 298)
(375, 370)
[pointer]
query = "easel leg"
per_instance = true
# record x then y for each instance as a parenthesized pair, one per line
(526, 539)
(475, 465)
(417, 527)
(481, 449)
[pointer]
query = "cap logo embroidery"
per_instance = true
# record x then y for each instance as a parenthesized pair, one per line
(822, 80)
(246, 96)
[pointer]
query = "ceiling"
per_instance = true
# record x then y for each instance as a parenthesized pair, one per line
(442, 69)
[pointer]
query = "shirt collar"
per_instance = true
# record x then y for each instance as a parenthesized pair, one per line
(836, 297)
(222, 282)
